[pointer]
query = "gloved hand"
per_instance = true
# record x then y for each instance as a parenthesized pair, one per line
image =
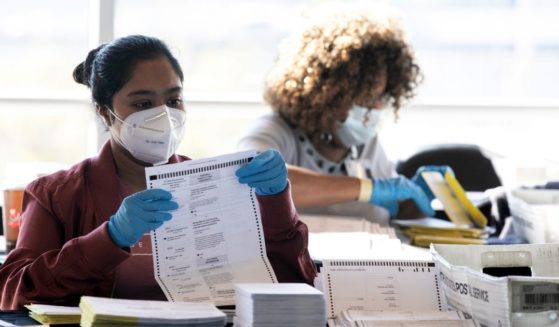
(389, 192)
(418, 179)
(140, 213)
(266, 172)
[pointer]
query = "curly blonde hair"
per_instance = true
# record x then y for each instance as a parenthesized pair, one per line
(331, 66)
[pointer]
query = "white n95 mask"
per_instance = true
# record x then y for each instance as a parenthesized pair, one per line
(152, 135)
(354, 131)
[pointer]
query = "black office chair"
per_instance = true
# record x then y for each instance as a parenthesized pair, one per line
(472, 168)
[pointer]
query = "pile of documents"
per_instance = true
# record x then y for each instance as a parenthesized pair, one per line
(343, 224)
(97, 311)
(352, 318)
(286, 304)
(361, 239)
(534, 214)
(467, 223)
(422, 232)
(54, 314)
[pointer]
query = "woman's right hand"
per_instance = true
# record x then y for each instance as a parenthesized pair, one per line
(140, 213)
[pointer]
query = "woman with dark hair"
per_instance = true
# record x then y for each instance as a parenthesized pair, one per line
(327, 89)
(79, 225)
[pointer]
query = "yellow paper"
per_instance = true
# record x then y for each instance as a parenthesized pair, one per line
(457, 206)
(99, 311)
(469, 233)
(475, 215)
(426, 240)
(53, 314)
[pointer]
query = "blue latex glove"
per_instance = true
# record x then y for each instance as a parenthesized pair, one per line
(266, 172)
(388, 192)
(140, 213)
(418, 179)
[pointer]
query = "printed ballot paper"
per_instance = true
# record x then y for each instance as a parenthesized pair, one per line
(380, 285)
(215, 237)
(352, 318)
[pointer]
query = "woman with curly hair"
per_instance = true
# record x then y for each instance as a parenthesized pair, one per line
(326, 90)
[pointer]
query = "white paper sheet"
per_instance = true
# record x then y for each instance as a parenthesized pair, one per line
(381, 285)
(402, 319)
(361, 245)
(215, 238)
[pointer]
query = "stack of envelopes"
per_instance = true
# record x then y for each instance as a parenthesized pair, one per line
(286, 304)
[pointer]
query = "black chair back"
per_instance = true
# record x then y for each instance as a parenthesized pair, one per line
(472, 168)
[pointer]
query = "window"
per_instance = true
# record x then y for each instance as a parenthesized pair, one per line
(223, 46)
(472, 52)
(498, 49)
(467, 48)
(42, 118)
(40, 46)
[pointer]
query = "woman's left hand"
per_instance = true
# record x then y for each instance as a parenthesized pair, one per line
(266, 173)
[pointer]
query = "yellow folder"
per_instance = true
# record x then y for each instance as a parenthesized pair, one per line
(467, 223)
(457, 206)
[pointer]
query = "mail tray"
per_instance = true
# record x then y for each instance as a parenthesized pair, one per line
(535, 214)
(501, 285)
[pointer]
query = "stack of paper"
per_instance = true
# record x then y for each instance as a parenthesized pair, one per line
(97, 311)
(422, 232)
(467, 223)
(351, 318)
(229, 311)
(330, 223)
(340, 237)
(361, 245)
(534, 214)
(270, 305)
(54, 314)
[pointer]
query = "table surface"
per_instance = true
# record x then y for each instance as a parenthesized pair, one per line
(17, 318)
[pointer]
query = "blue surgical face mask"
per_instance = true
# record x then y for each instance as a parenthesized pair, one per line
(354, 130)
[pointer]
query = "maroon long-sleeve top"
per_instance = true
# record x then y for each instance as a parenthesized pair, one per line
(64, 250)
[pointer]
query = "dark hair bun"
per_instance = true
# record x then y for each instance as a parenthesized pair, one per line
(82, 72)
(109, 67)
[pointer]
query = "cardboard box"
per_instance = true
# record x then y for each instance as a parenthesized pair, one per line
(501, 301)
(535, 214)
